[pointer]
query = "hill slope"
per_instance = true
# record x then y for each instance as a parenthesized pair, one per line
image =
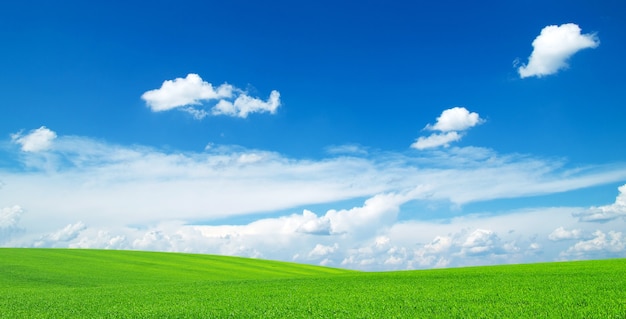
(59, 283)
(90, 268)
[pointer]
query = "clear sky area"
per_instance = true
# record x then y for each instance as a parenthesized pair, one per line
(371, 135)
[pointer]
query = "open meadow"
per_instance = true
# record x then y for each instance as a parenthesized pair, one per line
(64, 283)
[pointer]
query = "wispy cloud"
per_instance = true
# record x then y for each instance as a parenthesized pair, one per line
(144, 198)
(346, 149)
(452, 122)
(114, 181)
(190, 93)
(436, 140)
(553, 47)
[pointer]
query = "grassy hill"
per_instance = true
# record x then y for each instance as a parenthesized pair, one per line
(46, 268)
(61, 283)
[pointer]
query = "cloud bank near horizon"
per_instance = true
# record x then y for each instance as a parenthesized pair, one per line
(145, 198)
(367, 237)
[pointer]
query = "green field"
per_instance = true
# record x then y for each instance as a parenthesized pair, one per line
(61, 283)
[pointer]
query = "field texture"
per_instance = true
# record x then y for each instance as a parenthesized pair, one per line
(58, 283)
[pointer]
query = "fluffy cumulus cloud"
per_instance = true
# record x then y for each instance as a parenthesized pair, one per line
(190, 94)
(433, 254)
(313, 225)
(563, 234)
(62, 237)
(372, 245)
(553, 47)
(601, 245)
(608, 212)
(480, 242)
(442, 244)
(36, 140)
(191, 90)
(295, 232)
(379, 211)
(451, 123)
(455, 119)
(345, 211)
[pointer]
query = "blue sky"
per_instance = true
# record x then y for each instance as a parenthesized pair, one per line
(370, 136)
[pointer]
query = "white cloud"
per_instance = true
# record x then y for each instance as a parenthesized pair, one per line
(435, 140)
(460, 248)
(155, 240)
(600, 246)
(553, 47)
(169, 196)
(10, 216)
(357, 222)
(451, 123)
(607, 212)
(438, 245)
(480, 242)
(36, 140)
(314, 225)
(346, 149)
(475, 240)
(138, 184)
(322, 250)
(379, 211)
(563, 234)
(190, 93)
(191, 90)
(135, 185)
(393, 260)
(455, 119)
(101, 239)
(481, 239)
(61, 237)
(326, 262)
(244, 105)
(9, 222)
(381, 242)
(198, 114)
(432, 254)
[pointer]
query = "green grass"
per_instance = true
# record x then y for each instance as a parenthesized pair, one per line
(60, 283)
